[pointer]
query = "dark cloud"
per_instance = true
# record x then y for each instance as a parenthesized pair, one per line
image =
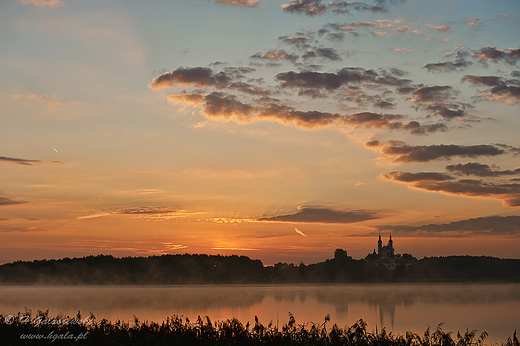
(373, 143)
(447, 66)
(199, 76)
(418, 129)
(323, 215)
(384, 104)
(249, 89)
(447, 110)
(24, 162)
(483, 80)
(434, 93)
(239, 71)
(336, 36)
(330, 81)
(9, 201)
(361, 98)
(218, 105)
(309, 7)
(437, 100)
(376, 120)
(500, 90)
(479, 169)
(480, 226)
(326, 53)
(397, 72)
(510, 56)
(423, 153)
(312, 93)
(508, 192)
(507, 91)
(413, 177)
(145, 210)
(314, 7)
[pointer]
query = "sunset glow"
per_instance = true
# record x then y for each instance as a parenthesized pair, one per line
(280, 130)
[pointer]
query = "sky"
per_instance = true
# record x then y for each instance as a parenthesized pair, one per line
(276, 129)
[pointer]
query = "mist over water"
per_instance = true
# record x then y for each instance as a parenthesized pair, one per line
(494, 308)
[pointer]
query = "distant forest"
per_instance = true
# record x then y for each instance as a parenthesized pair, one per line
(216, 269)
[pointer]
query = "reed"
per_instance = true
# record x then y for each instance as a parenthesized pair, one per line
(26, 328)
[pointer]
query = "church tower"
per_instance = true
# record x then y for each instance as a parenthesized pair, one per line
(379, 244)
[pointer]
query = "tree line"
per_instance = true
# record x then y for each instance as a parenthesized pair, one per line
(217, 269)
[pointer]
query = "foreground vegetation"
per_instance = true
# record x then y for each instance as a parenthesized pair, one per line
(24, 329)
(210, 269)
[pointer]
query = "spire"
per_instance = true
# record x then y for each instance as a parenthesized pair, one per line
(379, 244)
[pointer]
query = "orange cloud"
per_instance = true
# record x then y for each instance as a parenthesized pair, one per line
(42, 3)
(439, 27)
(243, 3)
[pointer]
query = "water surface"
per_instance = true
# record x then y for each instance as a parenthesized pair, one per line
(494, 308)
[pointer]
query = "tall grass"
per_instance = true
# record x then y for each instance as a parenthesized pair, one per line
(179, 330)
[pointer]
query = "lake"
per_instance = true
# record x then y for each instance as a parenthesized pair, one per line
(494, 308)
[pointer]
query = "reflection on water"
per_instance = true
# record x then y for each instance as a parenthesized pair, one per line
(494, 308)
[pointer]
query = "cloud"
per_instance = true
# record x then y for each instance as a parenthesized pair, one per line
(242, 3)
(276, 55)
(446, 110)
(309, 7)
(158, 212)
(483, 80)
(489, 53)
(414, 177)
(184, 98)
(447, 66)
(434, 93)
(24, 162)
(298, 41)
(42, 3)
(480, 226)
(404, 153)
(198, 76)
(226, 107)
(331, 81)
(402, 49)
(435, 99)
(500, 91)
(479, 169)
(315, 7)
(363, 99)
(307, 214)
(9, 201)
(509, 193)
(473, 21)
(500, 16)
(505, 93)
(440, 27)
(326, 53)
(249, 89)
(145, 210)
(300, 232)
